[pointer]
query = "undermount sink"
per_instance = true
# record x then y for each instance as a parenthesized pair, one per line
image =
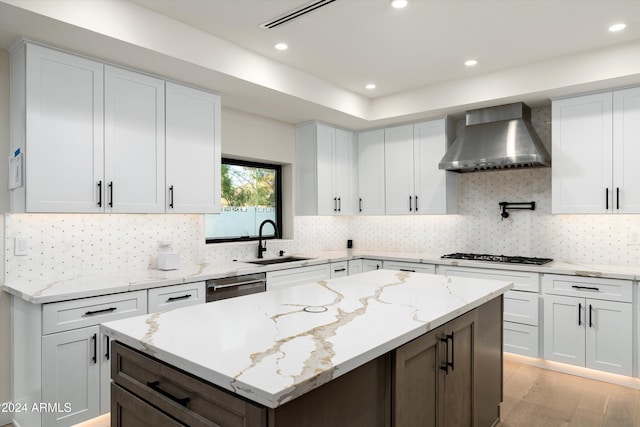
(278, 260)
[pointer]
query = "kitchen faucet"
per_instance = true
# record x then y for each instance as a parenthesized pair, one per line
(275, 233)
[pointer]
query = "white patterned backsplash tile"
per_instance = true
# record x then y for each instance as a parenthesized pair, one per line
(66, 246)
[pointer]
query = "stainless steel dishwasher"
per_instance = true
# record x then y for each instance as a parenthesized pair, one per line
(235, 286)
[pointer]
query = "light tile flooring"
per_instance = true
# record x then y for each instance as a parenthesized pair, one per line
(535, 397)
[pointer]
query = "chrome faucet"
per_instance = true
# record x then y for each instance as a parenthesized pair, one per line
(262, 248)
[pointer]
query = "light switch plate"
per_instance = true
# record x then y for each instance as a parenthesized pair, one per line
(20, 246)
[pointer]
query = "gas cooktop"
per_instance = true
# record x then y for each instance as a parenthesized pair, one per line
(498, 258)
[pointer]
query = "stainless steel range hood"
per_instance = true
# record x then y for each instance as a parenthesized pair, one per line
(496, 138)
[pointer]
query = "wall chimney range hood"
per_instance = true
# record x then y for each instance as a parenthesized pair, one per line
(496, 138)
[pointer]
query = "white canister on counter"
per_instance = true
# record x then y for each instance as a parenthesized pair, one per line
(168, 259)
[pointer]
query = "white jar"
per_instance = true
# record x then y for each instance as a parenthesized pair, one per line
(167, 259)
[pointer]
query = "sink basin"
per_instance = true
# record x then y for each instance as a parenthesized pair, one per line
(280, 260)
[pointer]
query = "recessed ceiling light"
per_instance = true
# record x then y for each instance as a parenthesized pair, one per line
(281, 46)
(370, 86)
(617, 27)
(470, 62)
(399, 4)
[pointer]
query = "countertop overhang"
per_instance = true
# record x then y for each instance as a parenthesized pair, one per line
(267, 348)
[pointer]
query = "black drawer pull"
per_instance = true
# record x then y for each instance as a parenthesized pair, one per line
(94, 359)
(100, 194)
(408, 270)
(588, 288)
(446, 365)
(187, 296)
(106, 310)
(590, 316)
(579, 311)
(339, 270)
(107, 355)
(155, 385)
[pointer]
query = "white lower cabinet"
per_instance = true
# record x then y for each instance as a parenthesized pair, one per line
(589, 322)
(297, 276)
(587, 332)
(176, 296)
(371, 265)
(339, 269)
(354, 266)
(412, 267)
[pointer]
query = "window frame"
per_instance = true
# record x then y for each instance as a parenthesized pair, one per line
(278, 219)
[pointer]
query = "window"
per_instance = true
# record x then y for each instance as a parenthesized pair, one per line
(251, 193)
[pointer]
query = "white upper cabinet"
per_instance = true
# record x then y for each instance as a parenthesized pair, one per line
(371, 187)
(193, 170)
(57, 123)
(326, 172)
(134, 142)
(414, 183)
(593, 154)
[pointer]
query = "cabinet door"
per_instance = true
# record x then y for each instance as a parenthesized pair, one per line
(193, 170)
(344, 169)
(64, 130)
(134, 142)
(626, 150)
(609, 336)
(435, 189)
(418, 382)
(354, 266)
(582, 135)
(371, 265)
(371, 172)
(457, 397)
(71, 374)
(327, 197)
(398, 160)
(564, 329)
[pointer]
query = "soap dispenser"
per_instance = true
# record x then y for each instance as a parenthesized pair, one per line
(168, 259)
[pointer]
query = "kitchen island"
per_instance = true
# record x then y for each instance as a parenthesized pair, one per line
(378, 348)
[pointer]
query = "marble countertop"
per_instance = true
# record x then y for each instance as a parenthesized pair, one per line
(276, 351)
(45, 292)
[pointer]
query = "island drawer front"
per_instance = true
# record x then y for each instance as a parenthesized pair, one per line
(521, 307)
(588, 287)
(413, 267)
(127, 410)
(168, 389)
(79, 313)
(170, 297)
(522, 280)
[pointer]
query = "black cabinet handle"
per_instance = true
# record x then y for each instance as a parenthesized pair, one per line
(590, 316)
(339, 205)
(606, 198)
(445, 367)
(451, 364)
(618, 198)
(335, 204)
(407, 270)
(94, 359)
(170, 299)
(107, 354)
(377, 266)
(416, 203)
(587, 288)
(579, 317)
(100, 193)
(171, 196)
(110, 194)
(106, 310)
(339, 270)
(410, 203)
(155, 385)
(360, 204)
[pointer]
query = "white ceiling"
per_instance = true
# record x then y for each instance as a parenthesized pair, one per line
(527, 50)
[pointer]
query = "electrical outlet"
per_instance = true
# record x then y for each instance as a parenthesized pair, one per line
(20, 246)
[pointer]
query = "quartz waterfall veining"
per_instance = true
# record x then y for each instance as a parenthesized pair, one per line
(267, 348)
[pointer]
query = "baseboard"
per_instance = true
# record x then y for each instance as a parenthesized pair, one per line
(575, 370)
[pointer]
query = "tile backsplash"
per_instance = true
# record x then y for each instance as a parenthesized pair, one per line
(62, 246)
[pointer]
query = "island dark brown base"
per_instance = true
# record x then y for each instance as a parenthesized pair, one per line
(450, 376)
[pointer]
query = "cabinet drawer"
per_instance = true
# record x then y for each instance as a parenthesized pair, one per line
(339, 269)
(170, 297)
(127, 410)
(297, 276)
(180, 395)
(414, 267)
(67, 315)
(522, 280)
(521, 339)
(521, 307)
(587, 287)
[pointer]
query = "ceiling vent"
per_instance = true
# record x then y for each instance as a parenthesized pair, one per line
(296, 13)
